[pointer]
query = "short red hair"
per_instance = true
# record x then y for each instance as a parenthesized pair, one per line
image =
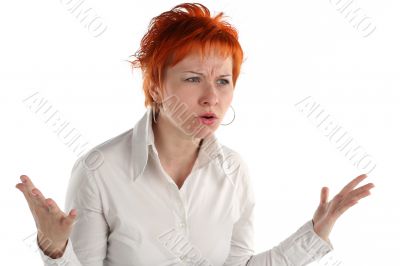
(175, 33)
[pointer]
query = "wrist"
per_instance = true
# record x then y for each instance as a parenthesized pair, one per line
(51, 249)
(323, 234)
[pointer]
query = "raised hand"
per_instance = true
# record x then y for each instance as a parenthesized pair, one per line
(54, 226)
(328, 212)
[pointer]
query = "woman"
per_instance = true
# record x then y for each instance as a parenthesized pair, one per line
(167, 192)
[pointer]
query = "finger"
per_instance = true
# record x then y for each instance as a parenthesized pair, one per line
(71, 218)
(349, 187)
(360, 190)
(324, 195)
(20, 187)
(52, 206)
(26, 186)
(33, 196)
(351, 202)
(340, 210)
(27, 181)
(38, 197)
(23, 188)
(361, 195)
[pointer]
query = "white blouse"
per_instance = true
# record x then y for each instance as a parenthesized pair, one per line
(131, 212)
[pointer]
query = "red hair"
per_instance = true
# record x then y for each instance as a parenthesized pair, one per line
(175, 33)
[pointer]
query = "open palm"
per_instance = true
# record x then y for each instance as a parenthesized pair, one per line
(54, 226)
(328, 212)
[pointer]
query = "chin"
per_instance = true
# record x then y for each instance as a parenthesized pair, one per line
(197, 130)
(206, 132)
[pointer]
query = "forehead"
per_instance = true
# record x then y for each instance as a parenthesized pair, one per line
(211, 61)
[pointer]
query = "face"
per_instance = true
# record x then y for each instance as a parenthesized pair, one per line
(194, 88)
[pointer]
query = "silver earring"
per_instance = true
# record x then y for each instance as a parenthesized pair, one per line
(153, 111)
(234, 115)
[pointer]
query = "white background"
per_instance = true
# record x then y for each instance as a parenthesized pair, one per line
(293, 49)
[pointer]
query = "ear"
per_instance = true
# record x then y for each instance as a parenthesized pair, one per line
(154, 94)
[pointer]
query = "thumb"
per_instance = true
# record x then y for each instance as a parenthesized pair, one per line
(324, 195)
(70, 219)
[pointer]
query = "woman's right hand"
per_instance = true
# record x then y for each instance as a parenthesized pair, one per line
(54, 226)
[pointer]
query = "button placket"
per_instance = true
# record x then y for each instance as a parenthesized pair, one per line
(181, 212)
(178, 208)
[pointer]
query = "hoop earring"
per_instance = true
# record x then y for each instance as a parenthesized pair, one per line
(154, 112)
(234, 115)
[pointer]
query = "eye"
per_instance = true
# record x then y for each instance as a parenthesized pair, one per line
(193, 78)
(225, 81)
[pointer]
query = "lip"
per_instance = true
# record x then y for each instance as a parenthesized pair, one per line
(207, 121)
(209, 114)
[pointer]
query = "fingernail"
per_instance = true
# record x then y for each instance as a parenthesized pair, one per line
(23, 179)
(34, 193)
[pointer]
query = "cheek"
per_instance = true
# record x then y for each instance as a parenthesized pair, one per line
(186, 100)
(226, 98)
(179, 91)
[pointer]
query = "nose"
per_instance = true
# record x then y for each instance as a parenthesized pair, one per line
(210, 96)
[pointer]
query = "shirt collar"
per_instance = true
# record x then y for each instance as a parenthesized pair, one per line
(143, 137)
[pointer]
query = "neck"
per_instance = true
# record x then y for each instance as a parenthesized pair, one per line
(172, 144)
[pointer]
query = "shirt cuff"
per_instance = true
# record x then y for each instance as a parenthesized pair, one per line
(63, 260)
(305, 245)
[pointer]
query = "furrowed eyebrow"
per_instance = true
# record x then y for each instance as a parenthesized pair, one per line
(201, 74)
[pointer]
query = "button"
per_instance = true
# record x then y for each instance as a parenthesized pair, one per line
(182, 225)
(182, 257)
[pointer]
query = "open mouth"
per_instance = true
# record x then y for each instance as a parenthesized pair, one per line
(207, 120)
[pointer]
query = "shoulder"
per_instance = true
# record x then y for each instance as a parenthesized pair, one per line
(110, 151)
(101, 160)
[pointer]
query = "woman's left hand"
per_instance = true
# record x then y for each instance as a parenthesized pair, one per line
(328, 212)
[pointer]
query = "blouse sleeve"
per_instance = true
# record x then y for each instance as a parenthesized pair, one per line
(87, 244)
(300, 248)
